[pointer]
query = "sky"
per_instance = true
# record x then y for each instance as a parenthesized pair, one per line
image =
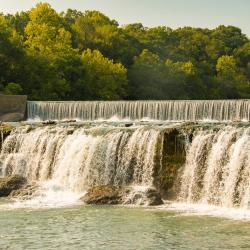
(171, 13)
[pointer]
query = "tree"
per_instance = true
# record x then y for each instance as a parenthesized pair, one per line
(45, 32)
(182, 82)
(19, 21)
(12, 89)
(78, 55)
(11, 53)
(231, 36)
(146, 77)
(49, 42)
(94, 30)
(229, 77)
(106, 80)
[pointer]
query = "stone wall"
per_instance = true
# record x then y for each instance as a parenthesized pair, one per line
(12, 108)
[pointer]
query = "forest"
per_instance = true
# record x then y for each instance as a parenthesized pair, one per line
(77, 55)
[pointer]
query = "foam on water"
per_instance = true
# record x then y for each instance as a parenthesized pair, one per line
(200, 209)
(49, 195)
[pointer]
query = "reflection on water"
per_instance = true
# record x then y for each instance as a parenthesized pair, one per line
(88, 227)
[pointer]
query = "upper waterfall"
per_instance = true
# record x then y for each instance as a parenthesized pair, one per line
(218, 110)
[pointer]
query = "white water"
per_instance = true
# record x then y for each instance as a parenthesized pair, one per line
(78, 158)
(67, 160)
(217, 169)
(49, 195)
(218, 110)
(190, 209)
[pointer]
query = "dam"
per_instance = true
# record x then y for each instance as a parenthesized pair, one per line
(217, 110)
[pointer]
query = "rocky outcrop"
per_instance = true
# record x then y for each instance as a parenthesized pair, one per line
(112, 195)
(5, 130)
(10, 183)
(170, 161)
(101, 195)
(25, 192)
(144, 196)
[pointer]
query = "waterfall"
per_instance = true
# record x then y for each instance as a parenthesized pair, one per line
(214, 171)
(78, 158)
(218, 110)
(217, 168)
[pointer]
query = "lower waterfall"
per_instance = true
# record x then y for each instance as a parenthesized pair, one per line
(78, 158)
(217, 168)
(73, 158)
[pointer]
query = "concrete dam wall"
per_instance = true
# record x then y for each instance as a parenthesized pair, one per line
(12, 108)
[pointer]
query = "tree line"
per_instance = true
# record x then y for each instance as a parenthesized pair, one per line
(77, 55)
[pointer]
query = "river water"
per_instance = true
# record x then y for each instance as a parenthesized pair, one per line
(108, 227)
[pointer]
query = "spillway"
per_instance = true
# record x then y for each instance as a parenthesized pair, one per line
(217, 110)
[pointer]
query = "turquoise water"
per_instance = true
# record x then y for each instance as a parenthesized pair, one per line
(107, 227)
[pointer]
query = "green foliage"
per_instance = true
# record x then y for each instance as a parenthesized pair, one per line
(147, 76)
(12, 89)
(105, 79)
(11, 53)
(45, 32)
(78, 55)
(230, 77)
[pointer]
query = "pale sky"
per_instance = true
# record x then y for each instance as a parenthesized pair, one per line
(171, 13)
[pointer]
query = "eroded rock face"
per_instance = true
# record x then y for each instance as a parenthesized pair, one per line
(10, 183)
(112, 195)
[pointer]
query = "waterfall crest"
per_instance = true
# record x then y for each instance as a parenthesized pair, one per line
(219, 110)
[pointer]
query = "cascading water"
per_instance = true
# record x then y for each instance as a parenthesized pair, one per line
(219, 110)
(78, 158)
(217, 168)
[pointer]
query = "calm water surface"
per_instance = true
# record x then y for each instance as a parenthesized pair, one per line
(107, 227)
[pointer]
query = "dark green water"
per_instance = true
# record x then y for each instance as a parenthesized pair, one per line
(86, 227)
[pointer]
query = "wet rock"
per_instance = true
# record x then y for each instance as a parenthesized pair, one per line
(153, 198)
(101, 195)
(112, 195)
(10, 183)
(147, 197)
(49, 122)
(128, 125)
(68, 121)
(5, 128)
(26, 192)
